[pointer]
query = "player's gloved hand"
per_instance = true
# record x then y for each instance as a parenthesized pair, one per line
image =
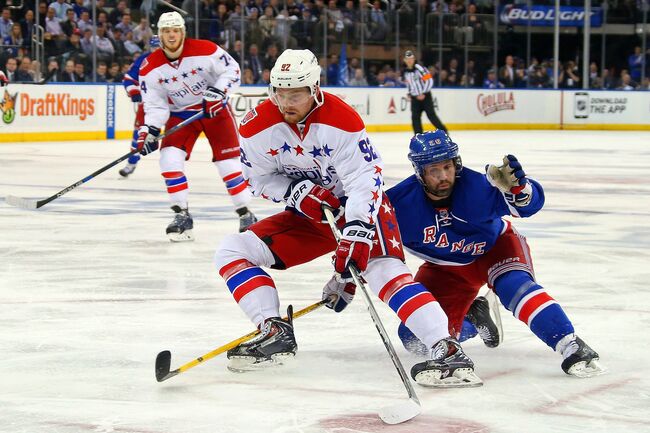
(308, 198)
(135, 97)
(510, 179)
(340, 292)
(147, 139)
(3, 79)
(354, 246)
(214, 100)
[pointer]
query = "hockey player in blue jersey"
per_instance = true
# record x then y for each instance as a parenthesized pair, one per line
(132, 86)
(451, 217)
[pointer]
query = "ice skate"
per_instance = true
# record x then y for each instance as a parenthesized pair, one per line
(246, 219)
(580, 360)
(276, 345)
(448, 367)
(127, 170)
(482, 317)
(180, 230)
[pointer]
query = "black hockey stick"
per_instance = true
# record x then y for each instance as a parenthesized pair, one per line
(35, 204)
(404, 411)
(164, 358)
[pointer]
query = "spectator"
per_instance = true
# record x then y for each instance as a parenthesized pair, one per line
(142, 33)
(84, 23)
(14, 41)
(27, 26)
(254, 63)
(72, 48)
(11, 69)
(60, 9)
(594, 79)
(105, 49)
(5, 23)
(359, 79)
(130, 46)
(24, 74)
(235, 52)
(248, 77)
(52, 24)
(507, 72)
(125, 24)
(70, 23)
(333, 71)
(116, 14)
(118, 45)
(539, 78)
(303, 29)
(635, 62)
(271, 56)
(491, 81)
(114, 74)
(626, 82)
(101, 76)
(78, 7)
(87, 42)
(378, 24)
(569, 76)
(266, 77)
(68, 75)
(267, 22)
(53, 74)
(80, 73)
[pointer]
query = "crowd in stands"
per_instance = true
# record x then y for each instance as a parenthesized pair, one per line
(122, 30)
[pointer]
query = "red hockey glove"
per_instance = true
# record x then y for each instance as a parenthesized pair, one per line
(354, 246)
(214, 100)
(340, 292)
(308, 198)
(3, 79)
(147, 139)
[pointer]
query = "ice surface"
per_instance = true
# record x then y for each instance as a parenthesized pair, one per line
(91, 290)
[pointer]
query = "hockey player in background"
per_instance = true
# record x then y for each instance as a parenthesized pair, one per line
(132, 87)
(304, 147)
(451, 217)
(183, 77)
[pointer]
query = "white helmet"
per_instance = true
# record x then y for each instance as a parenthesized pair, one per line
(294, 69)
(171, 19)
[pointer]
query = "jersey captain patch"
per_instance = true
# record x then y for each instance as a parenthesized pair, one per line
(249, 116)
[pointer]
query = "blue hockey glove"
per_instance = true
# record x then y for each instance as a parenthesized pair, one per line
(340, 291)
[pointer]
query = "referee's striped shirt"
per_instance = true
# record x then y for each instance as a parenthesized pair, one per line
(418, 80)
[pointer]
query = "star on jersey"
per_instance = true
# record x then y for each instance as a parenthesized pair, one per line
(393, 242)
(386, 208)
(375, 195)
(377, 169)
(272, 152)
(298, 150)
(377, 180)
(285, 148)
(327, 150)
(316, 152)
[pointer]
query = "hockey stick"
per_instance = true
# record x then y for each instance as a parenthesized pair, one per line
(164, 358)
(35, 204)
(403, 411)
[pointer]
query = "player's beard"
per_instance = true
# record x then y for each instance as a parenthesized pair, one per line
(441, 192)
(173, 54)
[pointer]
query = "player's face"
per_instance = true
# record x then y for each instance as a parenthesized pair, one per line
(171, 38)
(294, 104)
(440, 178)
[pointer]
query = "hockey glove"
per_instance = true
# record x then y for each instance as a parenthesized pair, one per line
(214, 100)
(147, 139)
(354, 246)
(308, 198)
(136, 97)
(510, 179)
(340, 292)
(3, 79)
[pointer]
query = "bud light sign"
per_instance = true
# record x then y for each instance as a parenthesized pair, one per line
(570, 16)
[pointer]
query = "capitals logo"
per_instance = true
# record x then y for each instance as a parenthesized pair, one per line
(8, 107)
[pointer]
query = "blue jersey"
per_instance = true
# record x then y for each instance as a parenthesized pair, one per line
(460, 233)
(131, 79)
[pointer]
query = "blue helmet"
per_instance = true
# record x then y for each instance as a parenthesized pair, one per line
(154, 42)
(431, 147)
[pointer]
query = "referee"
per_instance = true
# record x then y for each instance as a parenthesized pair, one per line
(420, 82)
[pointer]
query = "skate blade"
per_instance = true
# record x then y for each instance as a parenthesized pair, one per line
(461, 378)
(244, 364)
(186, 236)
(585, 369)
(495, 314)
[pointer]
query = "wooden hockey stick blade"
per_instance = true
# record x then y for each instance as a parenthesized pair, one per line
(401, 412)
(20, 202)
(163, 360)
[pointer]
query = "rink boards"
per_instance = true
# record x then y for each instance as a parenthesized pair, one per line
(86, 112)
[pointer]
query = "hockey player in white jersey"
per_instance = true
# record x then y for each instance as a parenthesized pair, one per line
(304, 147)
(177, 81)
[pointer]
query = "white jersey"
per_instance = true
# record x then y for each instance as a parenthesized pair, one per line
(177, 86)
(330, 148)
